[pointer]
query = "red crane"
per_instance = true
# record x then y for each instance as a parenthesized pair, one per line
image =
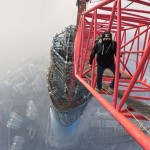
(131, 29)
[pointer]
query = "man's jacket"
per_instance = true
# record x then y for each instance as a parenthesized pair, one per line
(105, 54)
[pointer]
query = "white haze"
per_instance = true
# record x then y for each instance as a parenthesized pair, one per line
(28, 26)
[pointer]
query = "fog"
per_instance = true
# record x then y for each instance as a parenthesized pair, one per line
(26, 30)
(27, 27)
(24, 90)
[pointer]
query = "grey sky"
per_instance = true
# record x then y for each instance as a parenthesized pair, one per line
(28, 26)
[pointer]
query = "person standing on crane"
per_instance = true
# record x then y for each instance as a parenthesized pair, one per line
(105, 48)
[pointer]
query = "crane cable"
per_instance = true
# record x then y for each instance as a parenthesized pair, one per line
(128, 4)
(139, 122)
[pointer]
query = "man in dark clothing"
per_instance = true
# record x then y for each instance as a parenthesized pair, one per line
(105, 48)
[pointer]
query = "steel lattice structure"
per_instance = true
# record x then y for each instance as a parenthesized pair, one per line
(130, 28)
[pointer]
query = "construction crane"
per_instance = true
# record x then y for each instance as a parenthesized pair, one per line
(131, 30)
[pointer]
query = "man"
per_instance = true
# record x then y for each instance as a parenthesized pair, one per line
(105, 48)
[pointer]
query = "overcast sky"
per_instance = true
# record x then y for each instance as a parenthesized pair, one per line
(28, 26)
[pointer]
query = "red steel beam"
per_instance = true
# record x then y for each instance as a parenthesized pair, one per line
(135, 10)
(103, 3)
(86, 40)
(140, 2)
(135, 37)
(112, 15)
(135, 76)
(115, 96)
(138, 135)
(89, 34)
(139, 117)
(124, 18)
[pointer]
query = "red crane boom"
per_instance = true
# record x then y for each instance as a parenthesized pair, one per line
(130, 28)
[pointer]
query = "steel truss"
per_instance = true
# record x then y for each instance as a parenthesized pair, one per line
(131, 30)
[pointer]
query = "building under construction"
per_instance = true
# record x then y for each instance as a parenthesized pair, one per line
(68, 97)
